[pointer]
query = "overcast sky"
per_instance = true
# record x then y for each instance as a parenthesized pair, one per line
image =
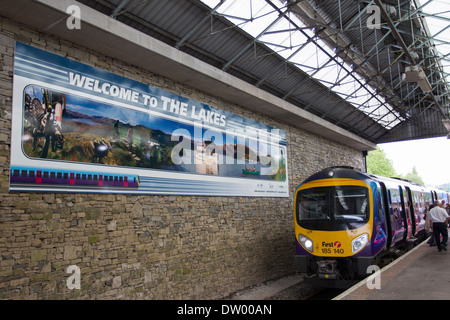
(431, 157)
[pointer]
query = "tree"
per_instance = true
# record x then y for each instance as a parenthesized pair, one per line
(378, 164)
(414, 177)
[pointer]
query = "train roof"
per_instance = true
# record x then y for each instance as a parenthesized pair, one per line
(345, 172)
(338, 172)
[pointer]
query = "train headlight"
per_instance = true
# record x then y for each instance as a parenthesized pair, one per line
(306, 242)
(360, 242)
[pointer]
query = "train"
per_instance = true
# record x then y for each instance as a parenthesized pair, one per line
(64, 179)
(347, 220)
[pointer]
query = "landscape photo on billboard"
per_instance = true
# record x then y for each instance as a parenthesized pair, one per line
(67, 127)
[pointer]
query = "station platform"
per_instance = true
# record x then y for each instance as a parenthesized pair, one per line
(422, 273)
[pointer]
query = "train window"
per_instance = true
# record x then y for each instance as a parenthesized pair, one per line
(351, 203)
(59, 175)
(312, 204)
(66, 175)
(89, 177)
(379, 212)
(95, 177)
(45, 174)
(391, 202)
(105, 178)
(427, 198)
(397, 208)
(83, 176)
(78, 176)
(115, 179)
(31, 174)
(16, 173)
(335, 203)
(120, 179)
(52, 175)
(394, 200)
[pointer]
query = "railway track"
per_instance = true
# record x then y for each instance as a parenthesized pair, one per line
(288, 288)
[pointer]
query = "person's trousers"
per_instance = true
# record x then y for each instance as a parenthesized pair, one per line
(439, 228)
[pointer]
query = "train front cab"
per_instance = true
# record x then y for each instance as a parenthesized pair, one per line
(334, 227)
(369, 218)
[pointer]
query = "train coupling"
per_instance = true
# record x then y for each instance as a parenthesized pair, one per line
(327, 269)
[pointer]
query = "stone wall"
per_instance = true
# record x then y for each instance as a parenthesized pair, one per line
(140, 246)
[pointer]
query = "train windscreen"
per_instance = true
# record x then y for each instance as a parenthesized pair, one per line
(333, 207)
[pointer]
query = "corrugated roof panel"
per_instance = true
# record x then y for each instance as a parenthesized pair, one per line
(215, 39)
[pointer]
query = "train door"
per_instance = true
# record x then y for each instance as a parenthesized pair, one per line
(409, 203)
(433, 196)
(428, 199)
(405, 212)
(388, 214)
(420, 208)
(398, 219)
(380, 217)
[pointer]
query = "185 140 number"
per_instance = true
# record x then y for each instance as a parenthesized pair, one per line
(334, 250)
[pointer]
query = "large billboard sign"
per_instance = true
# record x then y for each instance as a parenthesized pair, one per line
(76, 128)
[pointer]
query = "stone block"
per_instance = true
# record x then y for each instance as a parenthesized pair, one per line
(38, 255)
(71, 252)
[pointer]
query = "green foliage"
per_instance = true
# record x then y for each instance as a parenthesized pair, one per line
(414, 177)
(378, 164)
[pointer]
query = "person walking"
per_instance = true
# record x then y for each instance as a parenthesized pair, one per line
(429, 227)
(440, 219)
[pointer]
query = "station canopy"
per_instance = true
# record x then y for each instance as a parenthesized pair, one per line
(378, 69)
